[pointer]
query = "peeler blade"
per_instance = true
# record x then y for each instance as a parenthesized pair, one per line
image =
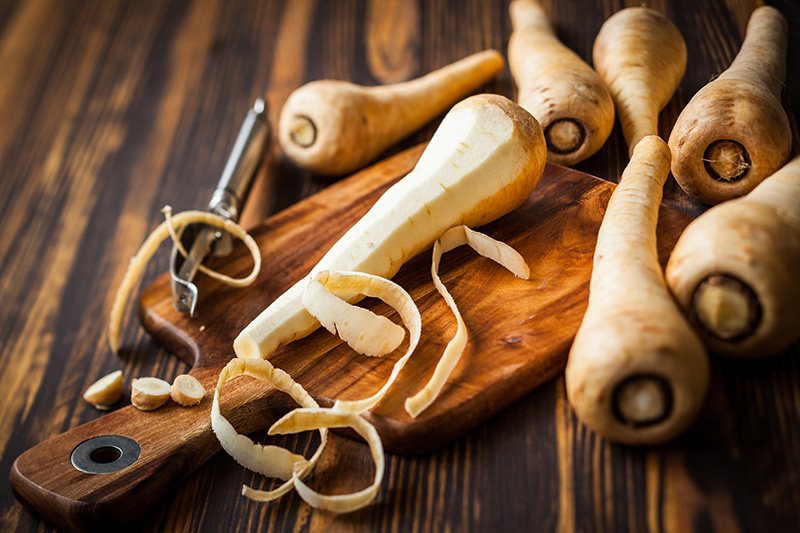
(227, 201)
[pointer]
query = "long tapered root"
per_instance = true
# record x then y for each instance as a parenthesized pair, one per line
(734, 132)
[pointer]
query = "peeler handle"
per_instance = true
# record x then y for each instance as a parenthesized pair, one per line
(240, 169)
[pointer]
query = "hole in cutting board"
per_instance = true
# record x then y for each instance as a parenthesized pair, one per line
(105, 454)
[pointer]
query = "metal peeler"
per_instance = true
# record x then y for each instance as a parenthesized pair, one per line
(228, 199)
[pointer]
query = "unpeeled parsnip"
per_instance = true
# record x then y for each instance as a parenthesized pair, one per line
(734, 131)
(566, 96)
(641, 56)
(336, 127)
(637, 372)
(735, 269)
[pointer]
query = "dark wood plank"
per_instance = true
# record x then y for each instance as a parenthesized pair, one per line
(112, 109)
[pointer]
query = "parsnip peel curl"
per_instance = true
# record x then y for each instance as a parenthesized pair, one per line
(484, 245)
(147, 250)
(364, 331)
(310, 419)
(391, 293)
(268, 460)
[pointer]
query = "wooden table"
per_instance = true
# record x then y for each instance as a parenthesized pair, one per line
(111, 109)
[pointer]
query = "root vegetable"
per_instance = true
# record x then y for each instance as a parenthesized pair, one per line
(483, 161)
(734, 131)
(106, 391)
(148, 394)
(567, 97)
(186, 390)
(636, 372)
(734, 269)
(642, 57)
(335, 127)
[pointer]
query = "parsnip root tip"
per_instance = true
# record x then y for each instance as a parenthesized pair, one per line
(726, 160)
(642, 400)
(725, 307)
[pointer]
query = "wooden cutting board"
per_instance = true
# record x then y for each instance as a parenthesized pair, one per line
(520, 332)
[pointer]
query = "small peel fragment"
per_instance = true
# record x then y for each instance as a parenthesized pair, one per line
(396, 297)
(106, 391)
(166, 229)
(488, 247)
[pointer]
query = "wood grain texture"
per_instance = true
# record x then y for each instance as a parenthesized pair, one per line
(519, 335)
(111, 109)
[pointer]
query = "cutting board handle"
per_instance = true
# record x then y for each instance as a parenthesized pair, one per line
(131, 457)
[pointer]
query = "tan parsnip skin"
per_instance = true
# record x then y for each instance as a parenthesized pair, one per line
(566, 96)
(735, 269)
(637, 372)
(641, 56)
(734, 131)
(335, 127)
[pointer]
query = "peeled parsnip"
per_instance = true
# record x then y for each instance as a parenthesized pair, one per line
(734, 270)
(637, 372)
(642, 57)
(483, 161)
(335, 127)
(566, 96)
(734, 131)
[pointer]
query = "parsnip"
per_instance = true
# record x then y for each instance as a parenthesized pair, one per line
(186, 390)
(734, 270)
(482, 162)
(336, 127)
(106, 391)
(149, 393)
(642, 57)
(734, 131)
(566, 96)
(636, 372)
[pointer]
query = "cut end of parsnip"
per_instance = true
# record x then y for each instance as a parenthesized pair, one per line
(149, 393)
(642, 400)
(727, 160)
(725, 307)
(564, 136)
(187, 391)
(106, 391)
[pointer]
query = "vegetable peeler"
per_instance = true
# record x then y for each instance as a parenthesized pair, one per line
(227, 200)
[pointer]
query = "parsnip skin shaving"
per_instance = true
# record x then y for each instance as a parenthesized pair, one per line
(268, 460)
(274, 461)
(498, 252)
(364, 331)
(149, 247)
(310, 419)
(392, 294)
